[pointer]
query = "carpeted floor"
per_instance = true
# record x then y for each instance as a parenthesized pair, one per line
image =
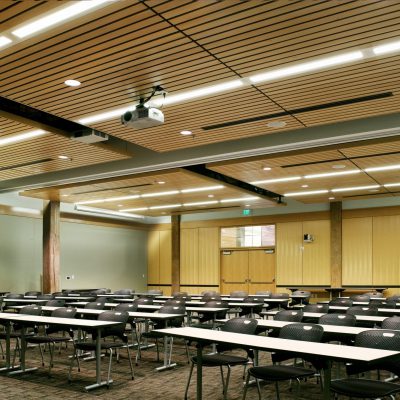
(148, 383)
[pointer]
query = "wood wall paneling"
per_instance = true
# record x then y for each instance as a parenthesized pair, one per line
(289, 256)
(357, 251)
(153, 254)
(317, 255)
(386, 250)
(189, 271)
(336, 243)
(165, 257)
(208, 256)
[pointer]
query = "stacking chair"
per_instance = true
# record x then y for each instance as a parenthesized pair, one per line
(386, 304)
(360, 297)
(238, 293)
(143, 301)
(315, 308)
(368, 311)
(206, 319)
(124, 291)
(340, 302)
(116, 332)
(302, 300)
(180, 294)
(221, 358)
(337, 319)
(370, 388)
(9, 304)
(155, 291)
(395, 298)
(180, 301)
(283, 305)
(263, 293)
(276, 373)
(50, 339)
(95, 305)
(376, 295)
(45, 297)
(286, 315)
(391, 323)
(210, 297)
(33, 293)
(246, 311)
(55, 303)
(210, 293)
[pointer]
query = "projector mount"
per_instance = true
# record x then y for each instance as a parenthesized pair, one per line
(158, 89)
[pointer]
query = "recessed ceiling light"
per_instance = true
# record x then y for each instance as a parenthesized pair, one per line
(163, 212)
(61, 157)
(267, 168)
(338, 166)
(119, 205)
(276, 124)
(329, 174)
(4, 41)
(306, 193)
(210, 195)
(72, 82)
(107, 212)
(349, 189)
(373, 190)
(331, 198)
(304, 186)
(64, 195)
(161, 182)
(247, 205)
(292, 178)
(186, 133)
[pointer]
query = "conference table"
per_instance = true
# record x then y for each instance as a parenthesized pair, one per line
(326, 351)
(24, 319)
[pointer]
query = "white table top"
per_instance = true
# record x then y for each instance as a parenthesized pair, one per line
(26, 301)
(323, 350)
(76, 298)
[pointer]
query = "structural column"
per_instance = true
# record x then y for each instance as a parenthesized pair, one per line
(51, 247)
(336, 243)
(176, 252)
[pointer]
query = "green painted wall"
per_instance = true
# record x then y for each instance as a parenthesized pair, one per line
(97, 256)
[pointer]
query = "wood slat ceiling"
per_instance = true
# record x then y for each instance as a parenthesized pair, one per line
(121, 50)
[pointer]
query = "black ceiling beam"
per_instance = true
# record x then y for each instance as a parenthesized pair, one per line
(236, 183)
(31, 116)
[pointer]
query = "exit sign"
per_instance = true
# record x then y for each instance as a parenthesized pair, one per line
(246, 211)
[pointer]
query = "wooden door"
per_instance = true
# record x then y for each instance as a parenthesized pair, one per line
(234, 270)
(261, 271)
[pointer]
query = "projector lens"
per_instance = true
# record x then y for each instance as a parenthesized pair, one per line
(127, 116)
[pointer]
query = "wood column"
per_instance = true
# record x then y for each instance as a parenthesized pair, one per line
(51, 247)
(336, 243)
(176, 252)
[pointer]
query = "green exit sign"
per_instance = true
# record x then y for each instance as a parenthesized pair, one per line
(246, 211)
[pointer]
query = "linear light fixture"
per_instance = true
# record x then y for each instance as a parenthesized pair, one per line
(131, 197)
(4, 41)
(329, 174)
(354, 188)
(21, 137)
(200, 203)
(156, 194)
(386, 48)
(107, 115)
(385, 168)
(251, 198)
(135, 209)
(391, 184)
(107, 212)
(291, 178)
(56, 17)
(307, 67)
(165, 206)
(202, 189)
(306, 193)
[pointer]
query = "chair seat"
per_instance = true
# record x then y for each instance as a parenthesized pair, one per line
(47, 339)
(280, 372)
(360, 388)
(212, 360)
(15, 335)
(91, 346)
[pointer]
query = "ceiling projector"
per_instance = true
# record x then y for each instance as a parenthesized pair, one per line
(143, 117)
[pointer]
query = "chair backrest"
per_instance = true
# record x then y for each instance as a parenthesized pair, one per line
(55, 303)
(124, 291)
(180, 294)
(175, 322)
(316, 308)
(126, 307)
(298, 331)
(98, 291)
(263, 293)
(360, 297)
(155, 291)
(95, 305)
(301, 293)
(376, 295)
(279, 296)
(391, 323)
(143, 301)
(31, 310)
(253, 299)
(217, 304)
(341, 302)
(289, 315)
(358, 310)
(33, 293)
(175, 302)
(102, 299)
(14, 296)
(338, 319)
(210, 293)
(395, 298)
(238, 293)
(45, 297)
(385, 304)
(64, 312)
(240, 325)
(117, 330)
(209, 297)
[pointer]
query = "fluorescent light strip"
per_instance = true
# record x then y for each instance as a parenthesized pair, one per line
(386, 48)
(21, 137)
(307, 66)
(160, 194)
(56, 17)
(251, 198)
(202, 189)
(386, 168)
(200, 203)
(354, 188)
(132, 197)
(4, 41)
(391, 184)
(293, 178)
(135, 209)
(107, 212)
(329, 174)
(306, 193)
(107, 115)
(165, 206)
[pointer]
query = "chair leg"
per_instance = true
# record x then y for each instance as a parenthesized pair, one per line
(187, 351)
(227, 382)
(71, 364)
(222, 378)
(130, 361)
(158, 351)
(171, 342)
(109, 366)
(51, 350)
(188, 381)
(277, 391)
(246, 385)
(41, 354)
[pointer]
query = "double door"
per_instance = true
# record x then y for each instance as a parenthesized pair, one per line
(248, 270)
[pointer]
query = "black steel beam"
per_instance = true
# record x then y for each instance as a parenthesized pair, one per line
(228, 180)
(31, 116)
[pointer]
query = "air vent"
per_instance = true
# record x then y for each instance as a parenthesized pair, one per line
(28, 164)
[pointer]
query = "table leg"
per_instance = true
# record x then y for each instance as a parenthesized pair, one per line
(22, 368)
(167, 354)
(8, 367)
(327, 380)
(199, 371)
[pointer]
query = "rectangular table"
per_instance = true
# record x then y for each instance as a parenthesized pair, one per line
(6, 318)
(325, 351)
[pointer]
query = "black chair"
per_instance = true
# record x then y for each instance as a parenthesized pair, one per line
(369, 388)
(124, 291)
(286, 315)
(238, 293)
(340, 302)
(341, 320)
(395, 298)
(95, 305)
(45, 297)
(221, 359)
(272, 305)
(50, 339)
(391, 323)
(175, 302)
(367, 311)
(374, 295)
(210, 297)
(277, 373)
(314, 308)
(385, 304)
(263, 293)
(304, 297)
(10, 304)
(206, 319)
(252, 310)
(210, 293)
(116, 332)
(33, 293)
(361, 297)
(155, 291)
(55, 303)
